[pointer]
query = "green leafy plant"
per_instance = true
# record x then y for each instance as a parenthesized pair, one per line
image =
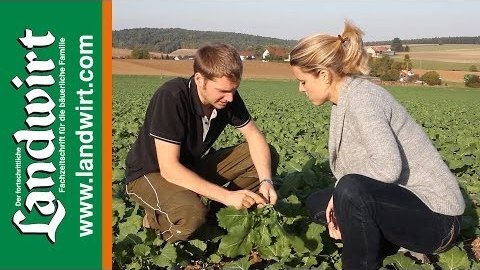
(282, 236)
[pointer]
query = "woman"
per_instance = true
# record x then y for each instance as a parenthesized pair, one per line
(393, 188)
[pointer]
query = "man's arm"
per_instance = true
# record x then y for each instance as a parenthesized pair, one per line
(173, 171)
(260, 153)
(259, 150)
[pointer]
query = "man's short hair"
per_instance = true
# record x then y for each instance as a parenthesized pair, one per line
(216, 60)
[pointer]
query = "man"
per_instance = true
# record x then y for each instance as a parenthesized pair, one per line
(170, 165)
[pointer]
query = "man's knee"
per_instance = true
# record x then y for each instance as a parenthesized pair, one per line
(188, 219)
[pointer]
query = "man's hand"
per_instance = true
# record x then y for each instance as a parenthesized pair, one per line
(333, 229)
(243, 199)
(268, 192)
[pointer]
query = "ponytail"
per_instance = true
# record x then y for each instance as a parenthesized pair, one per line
(355, 59)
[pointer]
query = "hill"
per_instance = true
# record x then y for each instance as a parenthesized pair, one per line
(167, 40)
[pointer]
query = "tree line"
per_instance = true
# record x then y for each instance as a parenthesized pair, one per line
(167, 40)
(435, 40)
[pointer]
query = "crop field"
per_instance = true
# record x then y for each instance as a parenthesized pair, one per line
(251, 69)
(439, 65)
(444, 47)
(283, 236)
(270, 70)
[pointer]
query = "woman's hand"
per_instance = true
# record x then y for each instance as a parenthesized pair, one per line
(268, 192)
(333, 229)
(243, 199)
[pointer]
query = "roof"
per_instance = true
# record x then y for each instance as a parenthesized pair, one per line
(183, 52)
(247, 53)
(380, 49)
(277, 51)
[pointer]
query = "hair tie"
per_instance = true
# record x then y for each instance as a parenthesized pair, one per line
(341, 39)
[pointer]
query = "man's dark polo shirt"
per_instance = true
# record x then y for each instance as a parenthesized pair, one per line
(175, 115)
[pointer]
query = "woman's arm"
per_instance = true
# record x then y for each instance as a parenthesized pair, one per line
(371, 118)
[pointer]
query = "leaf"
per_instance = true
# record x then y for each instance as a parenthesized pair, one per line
(314, 239)
(134, 266)
(198, 244)
(158, 241)
(276, 266)
(297, 167)
(214, 258)
(117, 174)
(400, 262)
(290, 206)
(309, 261)
(167, 256)
(141, 250)
(118, 205)
(454, 259)
(278, 249)
(235, 243)
(298, 244)
(241, 264)
(130, 226)
(196, 247)
(230, 217)
(261, 236)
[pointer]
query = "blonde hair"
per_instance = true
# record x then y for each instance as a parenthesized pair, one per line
(217, 60)
(344, 53)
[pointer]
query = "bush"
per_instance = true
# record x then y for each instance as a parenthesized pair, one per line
(390, 75)
(472, 80)
(398, 66)
(140, 54)
(380, 66)
(431, 78)
(473, 68)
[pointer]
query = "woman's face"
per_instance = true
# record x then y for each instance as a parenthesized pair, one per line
(317, 88)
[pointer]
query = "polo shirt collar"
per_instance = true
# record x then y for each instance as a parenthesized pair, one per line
(195, 99)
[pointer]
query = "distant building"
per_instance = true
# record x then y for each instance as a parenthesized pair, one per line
(406, 75)
(247, 55)
(183, 54)
(275, 52)
(378, 51)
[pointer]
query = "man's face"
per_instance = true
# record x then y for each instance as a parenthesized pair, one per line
(217, 92)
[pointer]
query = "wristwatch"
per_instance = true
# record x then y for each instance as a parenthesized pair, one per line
(267, 180)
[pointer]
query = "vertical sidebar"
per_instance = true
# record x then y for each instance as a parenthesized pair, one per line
(52, 97)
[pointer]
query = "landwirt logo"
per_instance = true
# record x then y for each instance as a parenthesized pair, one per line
(38, 139)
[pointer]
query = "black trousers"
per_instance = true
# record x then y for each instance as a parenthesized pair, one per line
(376, 218)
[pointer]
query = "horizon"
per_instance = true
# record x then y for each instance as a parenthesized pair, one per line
(295, 19)
(283, 39)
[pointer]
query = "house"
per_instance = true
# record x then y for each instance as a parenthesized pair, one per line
(247, 55)
(183, 54)
(378, 51)
(265, 54)
(406, 75)
(274, 52)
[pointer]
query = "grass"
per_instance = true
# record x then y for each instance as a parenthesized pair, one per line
(438, 65)
(445, 47)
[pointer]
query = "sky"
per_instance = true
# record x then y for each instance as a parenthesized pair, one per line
(294, 19)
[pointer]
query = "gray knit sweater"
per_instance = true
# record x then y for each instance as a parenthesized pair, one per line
(373, 135)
